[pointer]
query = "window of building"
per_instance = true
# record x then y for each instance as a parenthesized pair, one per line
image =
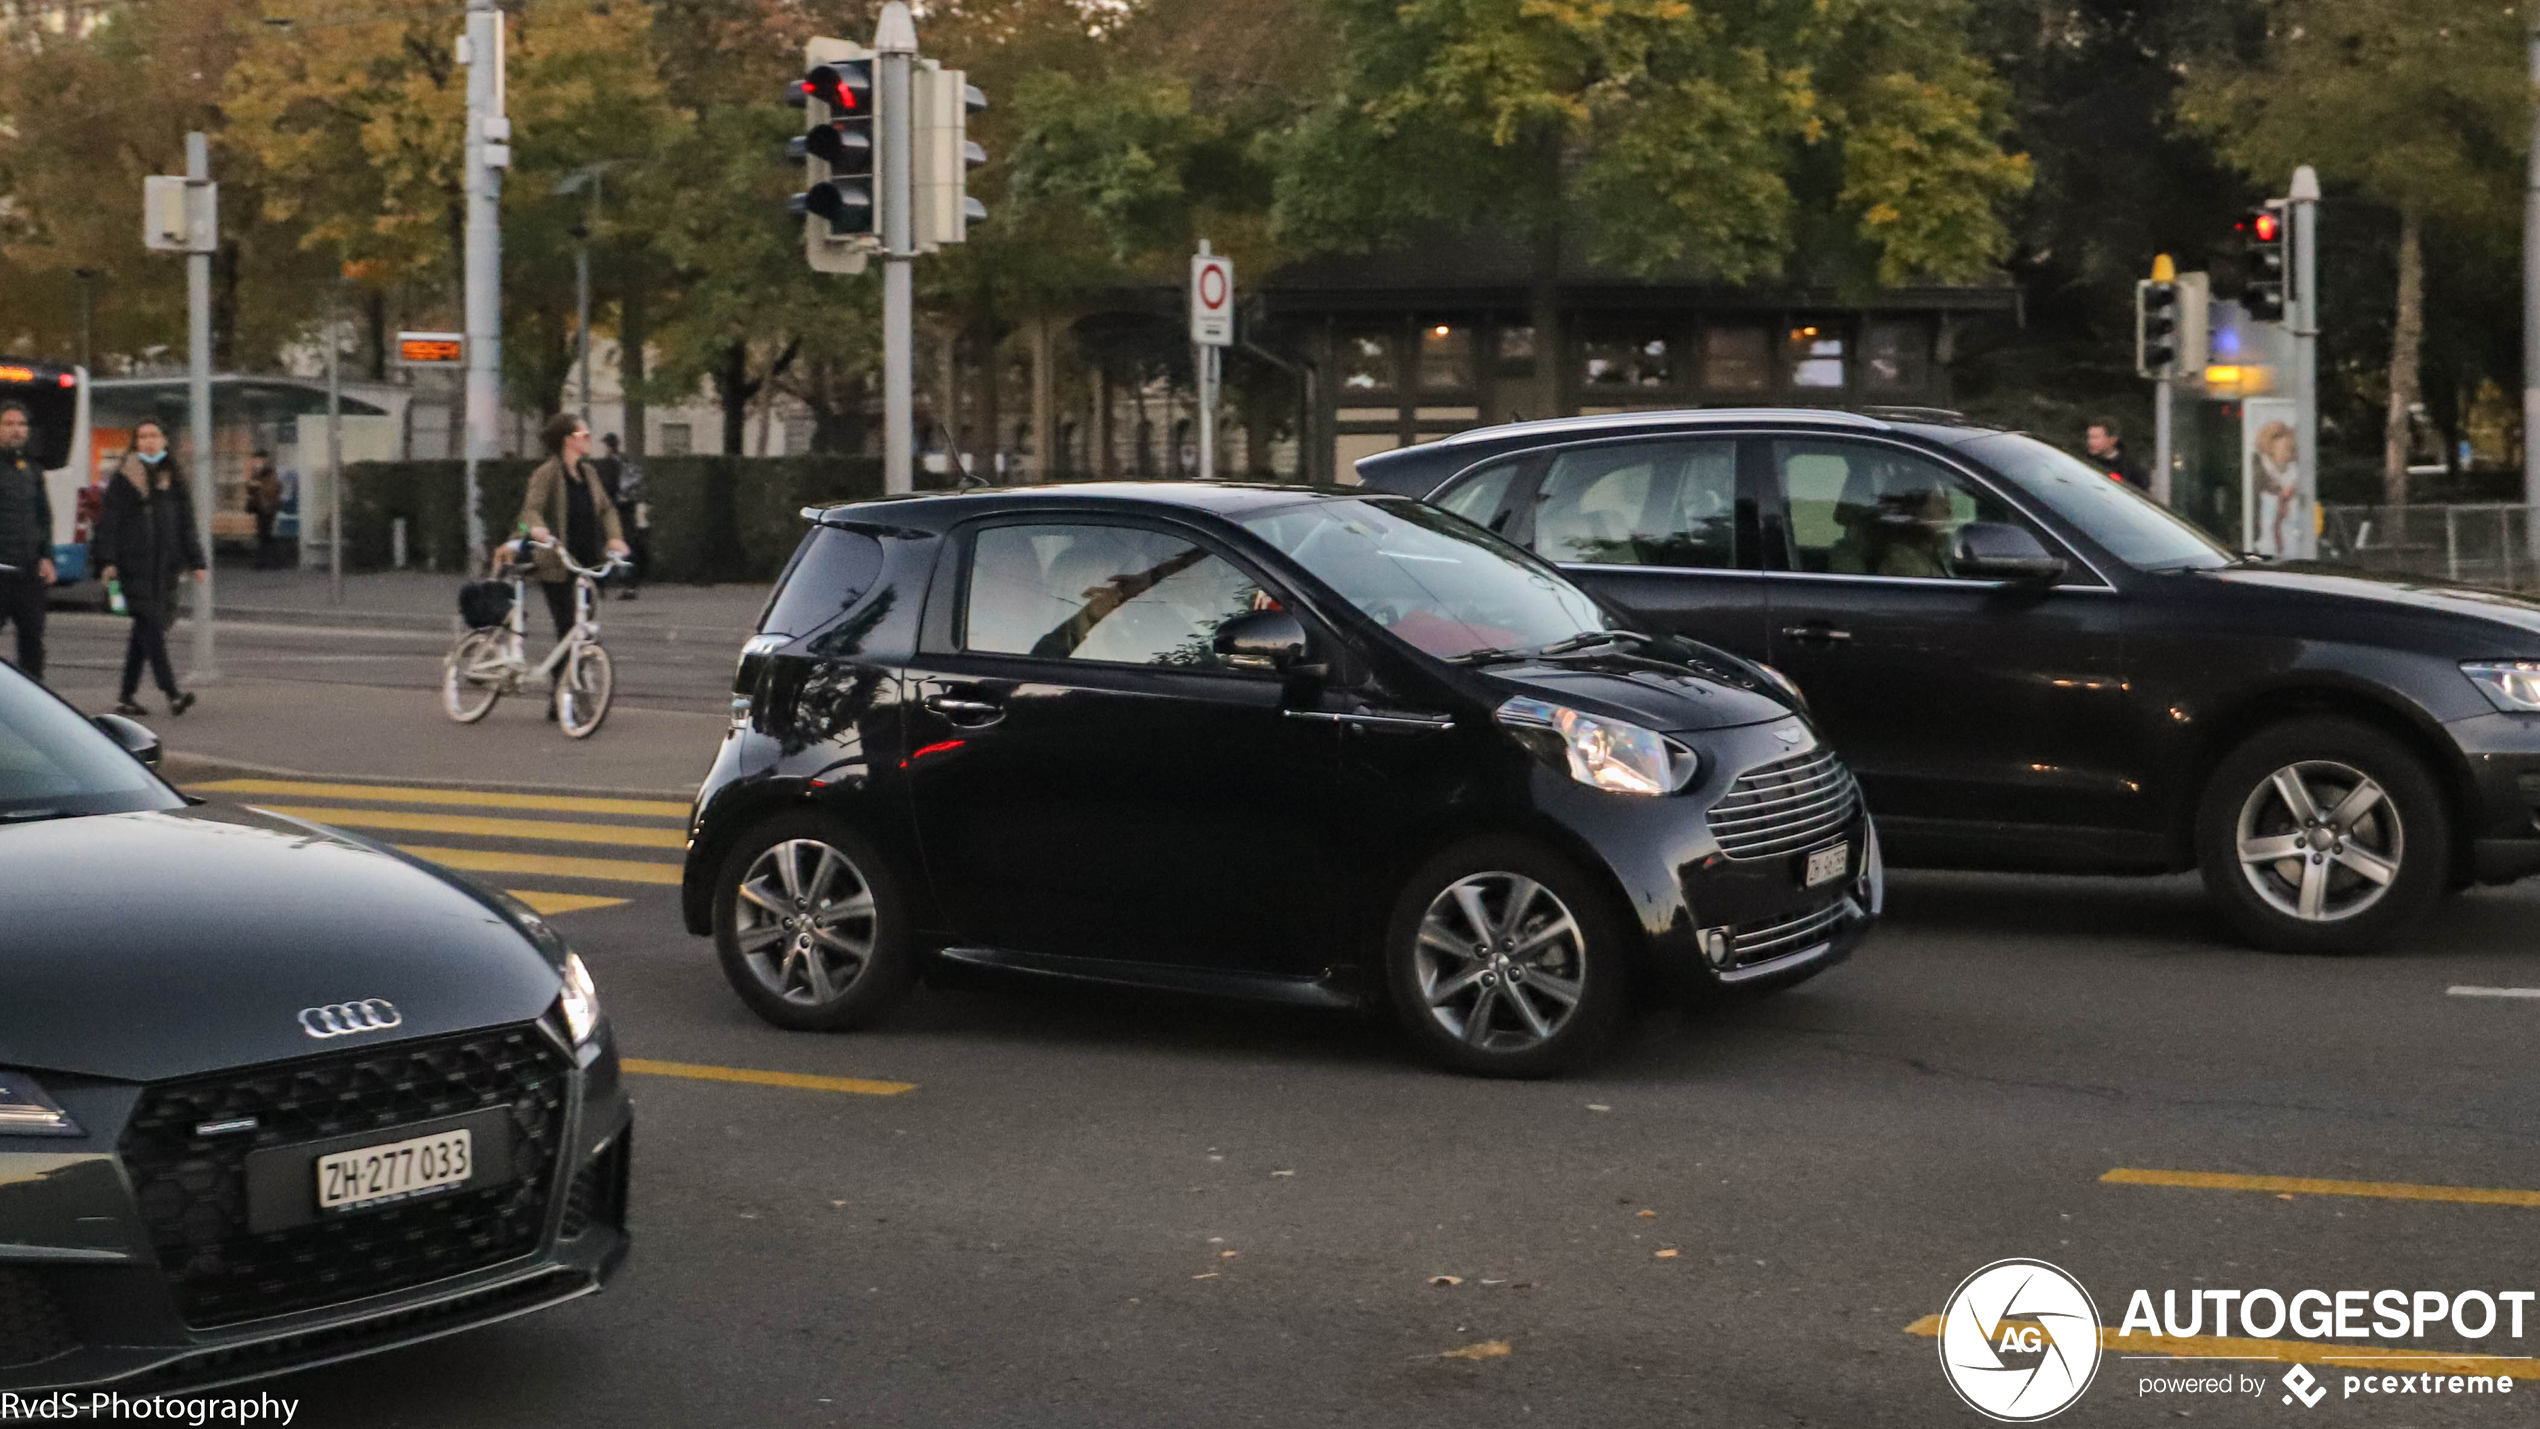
(1816, 357)
(1516, 353)
(797, 435)
(1366, 361)
(1896, 357)
(1737, 359)
(677, 439)
(1637, 359)
(1446, 357)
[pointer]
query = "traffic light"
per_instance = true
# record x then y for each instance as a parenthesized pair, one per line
(2269, 239)
(839, 202)
(2156, 316)
(944, 156)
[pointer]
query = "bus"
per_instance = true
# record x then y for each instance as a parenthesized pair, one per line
(56, 402)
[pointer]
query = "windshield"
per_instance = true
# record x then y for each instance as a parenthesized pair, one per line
(53, 763)
(1439, 582)
(2134, 528)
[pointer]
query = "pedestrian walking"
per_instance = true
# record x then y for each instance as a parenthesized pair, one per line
(624, 478)
(146, 543)
(26, 540)
(2108, 453)
(264, 502)
(566, 504)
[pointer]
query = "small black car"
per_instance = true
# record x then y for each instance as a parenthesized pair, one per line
(1258, 741)
(2035, 667)
(270, 1095)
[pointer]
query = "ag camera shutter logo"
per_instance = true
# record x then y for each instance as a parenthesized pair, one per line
(2019, 1341)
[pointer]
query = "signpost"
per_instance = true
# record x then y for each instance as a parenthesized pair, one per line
(181, 214)
(1212, 332)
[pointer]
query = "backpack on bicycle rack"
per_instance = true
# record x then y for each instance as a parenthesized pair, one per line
(485, 603)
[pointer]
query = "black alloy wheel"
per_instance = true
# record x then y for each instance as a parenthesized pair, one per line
(810, 928)
(2323, 835)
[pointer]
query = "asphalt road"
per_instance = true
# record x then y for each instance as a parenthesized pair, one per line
(1094, 1209)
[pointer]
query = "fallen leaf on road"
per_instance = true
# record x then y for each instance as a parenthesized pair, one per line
(1486, 1350)
(1283, 1173)
(1598, 1106)
(1649, 1215)
(2284, 1195)
(837, 1203)
(1209, 1276)
(1228, 1254)
(1446, 1280)
(1666, 1255)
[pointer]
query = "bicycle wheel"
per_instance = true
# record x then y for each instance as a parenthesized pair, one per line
(471, 676)
(582, 696)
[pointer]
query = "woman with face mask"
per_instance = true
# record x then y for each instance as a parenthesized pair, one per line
(145, 538)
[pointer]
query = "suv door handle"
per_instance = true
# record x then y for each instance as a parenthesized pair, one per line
(966, 712)
(1815, 632)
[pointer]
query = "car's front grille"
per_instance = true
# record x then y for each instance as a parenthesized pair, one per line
(1769, 938)
(33, 1328)
(1785, 806)
(193, 1188)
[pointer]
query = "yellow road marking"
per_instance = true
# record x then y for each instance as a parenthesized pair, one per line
(2220, 1347)
(547, 830)
(607, 870)
(459, 798)
(2310, 1186)
(554, 903)
(643, 1067)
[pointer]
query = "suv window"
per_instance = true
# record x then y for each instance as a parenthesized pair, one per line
(1646, 504)
(1479, 497)
(1118, 594)
(1858, 509)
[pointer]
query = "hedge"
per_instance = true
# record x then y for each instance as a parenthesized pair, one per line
(714, 518)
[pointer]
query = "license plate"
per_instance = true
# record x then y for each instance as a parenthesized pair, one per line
(373, 1175)
(1828, 864)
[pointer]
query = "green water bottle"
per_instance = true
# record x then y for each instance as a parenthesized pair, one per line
(114, 599)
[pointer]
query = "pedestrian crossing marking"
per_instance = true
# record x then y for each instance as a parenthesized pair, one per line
(456, 798)
(641, 1067)
(604, 870)
(550, 904)
(545, 830)
(2314, 1186)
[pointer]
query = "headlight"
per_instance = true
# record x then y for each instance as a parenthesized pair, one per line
(581, 1000)
(1602, 753)
(25, 1110)
(2510, 685)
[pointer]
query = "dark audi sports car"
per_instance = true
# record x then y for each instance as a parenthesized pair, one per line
(1264, 742)
(270, 1095)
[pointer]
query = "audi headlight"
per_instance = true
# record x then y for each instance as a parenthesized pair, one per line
(1602, 753)
(2510, 685)
(25, 1109)
(580, 999)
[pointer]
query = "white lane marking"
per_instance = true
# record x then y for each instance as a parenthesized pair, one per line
(2466, 991)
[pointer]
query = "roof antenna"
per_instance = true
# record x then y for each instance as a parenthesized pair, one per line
(952, 450)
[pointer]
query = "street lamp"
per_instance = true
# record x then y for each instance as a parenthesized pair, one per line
(586, 177)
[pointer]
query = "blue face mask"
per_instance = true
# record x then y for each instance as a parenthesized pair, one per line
(153, 458)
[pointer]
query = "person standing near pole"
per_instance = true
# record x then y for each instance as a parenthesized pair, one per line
(566, 505)
(26, 540)
(2106, 443)
(264, 502)
(624, 478)
(146, 541)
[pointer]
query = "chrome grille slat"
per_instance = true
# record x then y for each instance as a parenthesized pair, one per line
(1808, 808)
(1753, 944)
(1786, 805)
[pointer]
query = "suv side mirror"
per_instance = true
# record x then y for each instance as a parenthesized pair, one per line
(1262, 640)
(2000, 551)
(136, 738)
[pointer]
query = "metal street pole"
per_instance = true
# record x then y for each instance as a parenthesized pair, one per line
(2304, 199)
(334, 461)
(198, 399)
(895, 48)
(87, 314)
(2162, 439)
(488, 153)
(2531, 307)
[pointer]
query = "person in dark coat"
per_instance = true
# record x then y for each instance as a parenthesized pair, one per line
(26, 540)
(264, 502)
(145, 538)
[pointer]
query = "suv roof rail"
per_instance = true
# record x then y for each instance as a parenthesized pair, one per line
(1931, 416)
(1663, 416)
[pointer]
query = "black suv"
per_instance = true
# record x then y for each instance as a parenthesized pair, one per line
(1319, 748)
(2031, 666)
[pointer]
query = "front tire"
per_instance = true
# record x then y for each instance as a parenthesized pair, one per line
(1504, 961)
(810, 927)
(2323, 835)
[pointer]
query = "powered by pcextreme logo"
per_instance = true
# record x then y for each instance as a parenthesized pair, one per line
(2019, 1340)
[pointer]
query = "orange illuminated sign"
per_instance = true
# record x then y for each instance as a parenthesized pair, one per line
(438, 349)
(17, 374)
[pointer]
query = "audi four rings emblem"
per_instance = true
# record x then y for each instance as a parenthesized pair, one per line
(342, 1019)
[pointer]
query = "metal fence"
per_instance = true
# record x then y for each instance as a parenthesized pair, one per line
(2486, 544)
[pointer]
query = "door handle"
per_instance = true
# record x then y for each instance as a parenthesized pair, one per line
(1371, 719)
(1815, 632)
(968, 712)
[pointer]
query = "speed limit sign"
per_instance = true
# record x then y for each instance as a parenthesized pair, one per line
(1212, 300)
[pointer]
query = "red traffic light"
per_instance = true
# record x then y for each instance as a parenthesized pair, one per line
(2264, 227)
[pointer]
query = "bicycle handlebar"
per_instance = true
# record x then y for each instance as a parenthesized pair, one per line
(615, 562)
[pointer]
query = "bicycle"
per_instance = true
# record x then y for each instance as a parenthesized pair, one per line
(490, 662)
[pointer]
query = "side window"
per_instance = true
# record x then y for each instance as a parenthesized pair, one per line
(831, 570)
(1646, 504)
(1118, 594)
(1858, 509)
(1479, 497)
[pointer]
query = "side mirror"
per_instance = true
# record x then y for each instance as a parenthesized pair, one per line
(1999, 551)
(1262, 640)
(135, 737)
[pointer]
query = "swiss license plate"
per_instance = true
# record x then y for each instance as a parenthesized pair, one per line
(1828, 864)
(374, 1175)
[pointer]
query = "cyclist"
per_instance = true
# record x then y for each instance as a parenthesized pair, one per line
(566, 496)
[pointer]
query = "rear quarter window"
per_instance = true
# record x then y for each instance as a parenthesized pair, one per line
(831, 571)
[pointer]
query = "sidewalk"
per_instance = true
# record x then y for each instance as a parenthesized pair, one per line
(419, 600)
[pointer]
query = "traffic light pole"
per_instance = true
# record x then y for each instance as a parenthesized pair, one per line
(2304, 199)
(198, 401)
(895, 49)
(2531, 315)
(2162, 440)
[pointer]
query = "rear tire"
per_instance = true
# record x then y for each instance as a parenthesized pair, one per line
(467, 694)
(810, 928)
(2323, 835)
(582, 696)
(1505, 961)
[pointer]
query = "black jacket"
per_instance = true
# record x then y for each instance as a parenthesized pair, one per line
(26, 512)
(148, 537)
